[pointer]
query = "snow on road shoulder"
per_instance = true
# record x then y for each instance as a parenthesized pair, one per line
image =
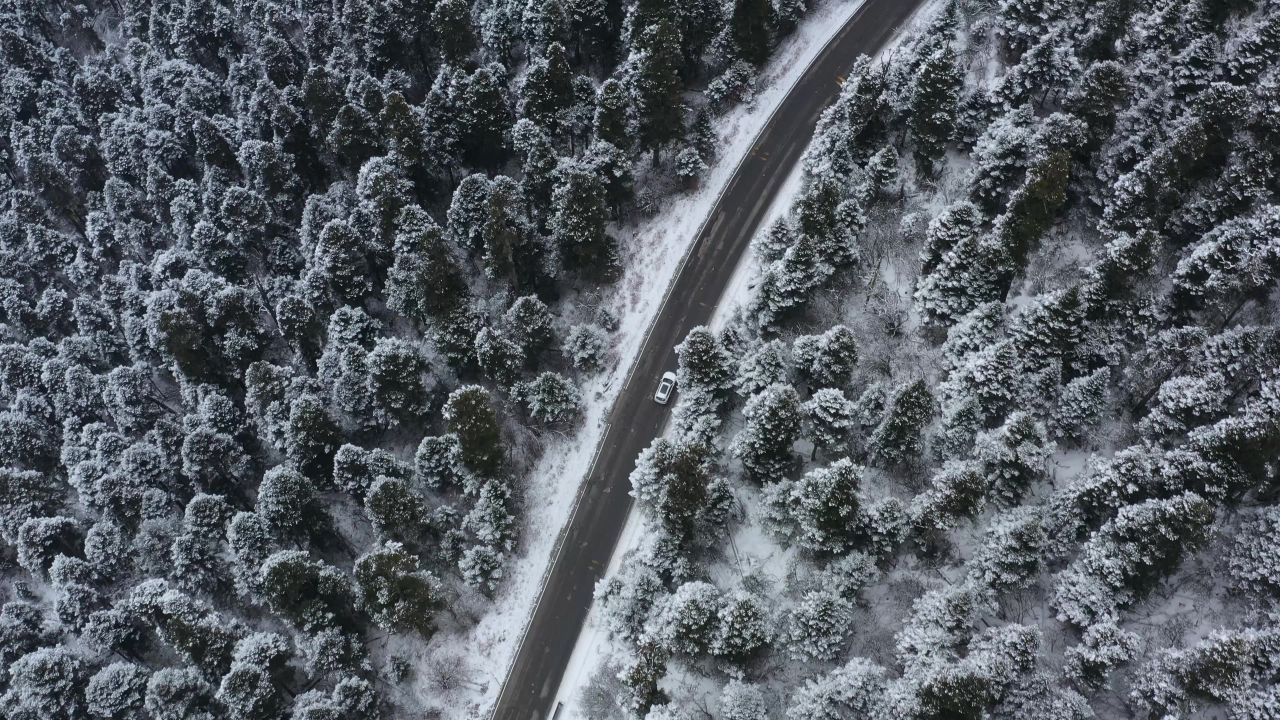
(654, 250)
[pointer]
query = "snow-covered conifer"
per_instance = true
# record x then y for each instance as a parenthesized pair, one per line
(1081, 404)
(627, 596)
(613, 119)
(640, 676)
(941, 621)
(549, 398)
(934, 98)
(655, 85)
(760, 368)
(1014, 456)
(969, 274)
(742, 701)
(831, 418)
(743, 626)
(820, 510)
(1254, 560)
(584, 346)
(1010, 555)
(1103, 647)
(988, 376)
(177, 694)
(897, 437)
(957, 490)
(1129, 555)
(394, 591)
(959, 221)
(1183, 403)
(1049, 329)
(529, 324)
(788, 282)
(961, 421)
(705, 364)
(773, 424)
(285, 500)
(394, 509)
(470, 415)
(674, 482)
(855, 689)
(117, 690)
(819, 625)
(826, 360)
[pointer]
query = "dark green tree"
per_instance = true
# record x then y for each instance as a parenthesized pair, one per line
(451, 25)
(547, 93)
(578, 222)
(749, 26)
(613, 122)
(655, 86)
(396, 593)
(897, 438)
(935, 94)
(470, 415)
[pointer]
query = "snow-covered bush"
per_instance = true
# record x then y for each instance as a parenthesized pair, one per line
(584, 346)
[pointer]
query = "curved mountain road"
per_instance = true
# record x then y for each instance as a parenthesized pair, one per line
(635, 420)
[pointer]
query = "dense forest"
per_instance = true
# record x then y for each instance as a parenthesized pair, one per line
(996, 433)
(290, 293)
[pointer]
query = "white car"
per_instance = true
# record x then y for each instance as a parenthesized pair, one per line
(665, 387)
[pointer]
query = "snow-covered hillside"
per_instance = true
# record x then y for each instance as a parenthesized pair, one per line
(994, 430)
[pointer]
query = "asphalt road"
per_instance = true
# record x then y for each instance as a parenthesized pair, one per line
(635, 419)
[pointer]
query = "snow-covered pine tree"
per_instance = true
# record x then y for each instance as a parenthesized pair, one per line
(818, 626)
(934, 96)
(762, 367)
(1014, 456)
(547, 92)
(898, 436)
(831, 418)
(1010, 556)
(968, 275)
(705, 364)
(854, 689)
(584, 346)
(549, 398)
(1254, 560)
(653, 78)
(578, 222)
(395, 591)
(1103, 647)
(743, 627)
(958, 222)
(1082, 404)
(470, 415)
(773, 424)
(959, 489)
(673, 481)
(826, 360)
(741, 700)
(1129, 555)
(788, 282)
(820, 510)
